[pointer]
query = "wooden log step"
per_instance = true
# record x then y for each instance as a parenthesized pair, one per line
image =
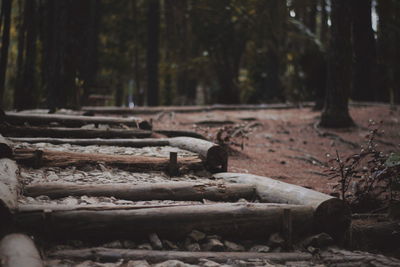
(332, 215)
(180, 133)
(9, 186)
(238, 220)
(154, 256)
(215, 156)
(17, 118)
(178, 191)
(50, 158)
(18, 250)
(30, 131)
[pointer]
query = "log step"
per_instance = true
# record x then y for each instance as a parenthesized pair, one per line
(241, 220)
(178, 191)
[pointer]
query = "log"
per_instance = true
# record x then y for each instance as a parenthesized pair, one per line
(154, 256)
(178, 191)
(9, 186)
(17, 250)
(29, 131)
(332, 215)
(215, 156)
(52, 158)
(180, 133)
(236, 220)
(16, 118)
(5, 148)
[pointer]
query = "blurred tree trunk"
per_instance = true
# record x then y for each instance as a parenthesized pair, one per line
(324, 32)
(139, 92)
(336, 113)
(5, 21)
(153, 31)
(364, 53)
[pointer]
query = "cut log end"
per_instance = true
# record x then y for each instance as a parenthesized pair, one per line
(19, 250)
(333, 216)
(217, 159)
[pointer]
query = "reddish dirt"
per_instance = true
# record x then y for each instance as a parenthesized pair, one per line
(287, 142)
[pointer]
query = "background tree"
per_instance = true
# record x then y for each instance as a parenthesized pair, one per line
(5, 21)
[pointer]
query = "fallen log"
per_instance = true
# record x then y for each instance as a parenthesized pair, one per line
(67, 120)
(154, 256)
(180, 133)
(332, 215)
(50, 158)
(215, 157)
(17, 250)
(178, 191)
(29, 131)
(5, 148)
(9, 186)
(238, 220)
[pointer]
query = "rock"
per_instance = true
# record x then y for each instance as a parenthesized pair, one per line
(155, 241)
(275, 240)
(89, 200)
(213, 245)
(260, 248)
(168, 244)
(173, 263)
(231, 246)
(193, 247)
(52, 177)
(70, 201)
(319, 241)
(43, 198)
(145, 246)
(137, 264)
(128, 244)
(113, 244)
(208, 263)
(214, 237)
(197, 235)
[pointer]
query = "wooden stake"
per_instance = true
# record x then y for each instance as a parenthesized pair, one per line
(287, 228)
(173, 164)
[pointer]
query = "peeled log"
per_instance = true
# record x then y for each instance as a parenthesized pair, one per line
(235, 220)
(16, 118)
(29, 131)
(332, 215)
(216, 157)
(179, 191)
(154, 256)
(5, 148)
(9, 185)
(18, 250)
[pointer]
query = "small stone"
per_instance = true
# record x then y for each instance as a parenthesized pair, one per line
(43, 198)
(137, 264)
(312, 249)
(275, 240)
(70, 201)
(319, 241)
(208, 263)
(193, 247)
(173, 263)
(260, 248)
(123, 202)
(52, 177)
(155, 241)
(170, 245)
(213, 245)
(197, 235)
(231, 246)
(128, 244)
(145, 246)
(113, 244)
(89, 200)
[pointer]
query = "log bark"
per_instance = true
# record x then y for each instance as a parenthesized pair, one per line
(18, 250)
(49, 158)
(60, 132)
(330, 257)
(5, 148)
(154, 256)
(332, 215)
(235, 220)
(9, 186)
(215, 157)
(179, 191)
(67, 120)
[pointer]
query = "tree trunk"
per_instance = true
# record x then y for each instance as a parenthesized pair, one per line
(364, 87)
(178, 191)
(336, 112)
(29, 131)
(248, 220)
(18, 250)
(5, 41)
(332, 215)
(153, 31)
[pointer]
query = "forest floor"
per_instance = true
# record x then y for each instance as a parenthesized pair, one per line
(286, 144)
